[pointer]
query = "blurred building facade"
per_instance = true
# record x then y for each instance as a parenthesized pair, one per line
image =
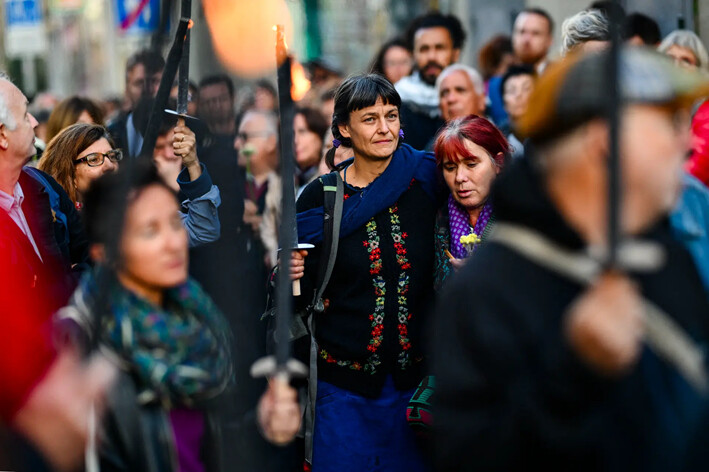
(86, 42)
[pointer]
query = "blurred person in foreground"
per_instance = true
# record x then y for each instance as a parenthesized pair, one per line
(394, 60)
(470, 153)
(536, 369)
(164, 333)
(370, 337)
(46, 397)
(436, 41)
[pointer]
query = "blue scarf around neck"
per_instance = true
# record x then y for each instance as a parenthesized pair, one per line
(406, 165)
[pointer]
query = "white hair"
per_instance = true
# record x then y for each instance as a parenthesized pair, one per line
(587, 25)
(6, 117)
(474, 76)
(686, 39)
(269, 117)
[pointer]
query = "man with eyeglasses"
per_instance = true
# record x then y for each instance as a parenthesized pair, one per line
(257, 143)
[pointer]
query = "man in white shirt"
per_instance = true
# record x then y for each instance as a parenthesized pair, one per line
(46, 398)
(29, 250)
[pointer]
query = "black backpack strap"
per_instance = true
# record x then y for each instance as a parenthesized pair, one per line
(333, 194)
(334, 199)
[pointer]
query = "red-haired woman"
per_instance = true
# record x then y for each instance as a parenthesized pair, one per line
(470, 153)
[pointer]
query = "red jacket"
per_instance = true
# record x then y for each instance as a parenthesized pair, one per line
(698, 164)
(31, 290)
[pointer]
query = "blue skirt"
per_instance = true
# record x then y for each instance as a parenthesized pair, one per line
(355, 433)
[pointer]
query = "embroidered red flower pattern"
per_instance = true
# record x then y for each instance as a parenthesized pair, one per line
(376, 318)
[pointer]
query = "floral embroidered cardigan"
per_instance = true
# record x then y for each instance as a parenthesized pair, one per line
(380, 293)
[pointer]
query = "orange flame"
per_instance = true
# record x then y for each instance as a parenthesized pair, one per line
(301, 84)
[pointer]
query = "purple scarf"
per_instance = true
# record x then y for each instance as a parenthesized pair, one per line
(459, 225)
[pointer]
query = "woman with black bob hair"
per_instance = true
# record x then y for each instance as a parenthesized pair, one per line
(370, 337)
(164, 333)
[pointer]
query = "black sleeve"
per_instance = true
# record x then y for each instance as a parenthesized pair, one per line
(311, 197)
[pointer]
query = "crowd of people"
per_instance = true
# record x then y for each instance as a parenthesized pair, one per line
(472, 308)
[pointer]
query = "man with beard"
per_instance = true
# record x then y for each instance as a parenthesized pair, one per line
(532, 36)
(436, 41)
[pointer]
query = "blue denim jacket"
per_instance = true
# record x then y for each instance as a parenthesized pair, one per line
(203, 198)
(690, 224)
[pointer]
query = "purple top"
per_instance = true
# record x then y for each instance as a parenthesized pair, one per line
(459, 223)
(188, 430)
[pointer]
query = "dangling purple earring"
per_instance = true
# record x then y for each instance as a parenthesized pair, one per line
(401, 133)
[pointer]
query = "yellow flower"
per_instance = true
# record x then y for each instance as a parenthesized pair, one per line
(470, 239)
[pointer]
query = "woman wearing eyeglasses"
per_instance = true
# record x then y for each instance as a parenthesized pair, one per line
(81, 153)
(77, 156)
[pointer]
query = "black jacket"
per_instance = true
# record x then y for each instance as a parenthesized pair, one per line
(512, 395)
(419, 126)
(345, 332)
(139, 437)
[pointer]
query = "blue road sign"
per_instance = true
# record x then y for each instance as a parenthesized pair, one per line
(23, 12)
(148, 19)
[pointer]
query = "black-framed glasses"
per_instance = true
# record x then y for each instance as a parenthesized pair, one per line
(96, 159)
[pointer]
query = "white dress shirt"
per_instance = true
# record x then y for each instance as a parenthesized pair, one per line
(13, 207)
